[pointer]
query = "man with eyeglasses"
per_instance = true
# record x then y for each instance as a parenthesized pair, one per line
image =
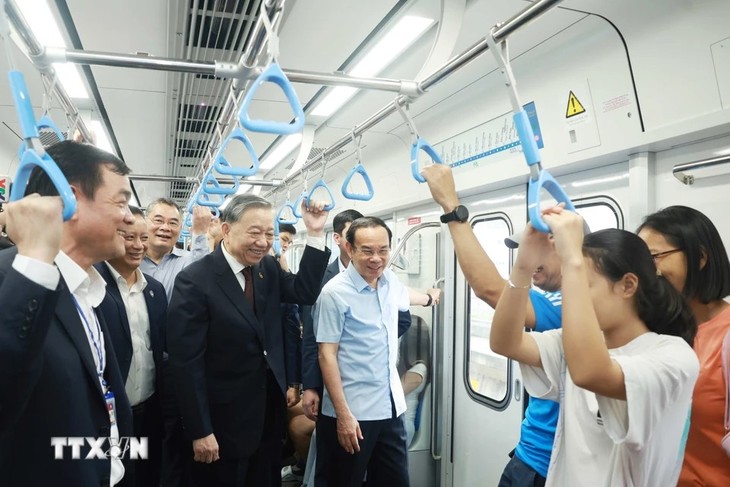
(164, 221)
(361, 427)
(227, 343)
(163, 261)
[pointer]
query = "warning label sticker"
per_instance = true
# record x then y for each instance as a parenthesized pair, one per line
(575, 107)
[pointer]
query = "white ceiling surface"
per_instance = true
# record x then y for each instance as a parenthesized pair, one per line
(316, 35)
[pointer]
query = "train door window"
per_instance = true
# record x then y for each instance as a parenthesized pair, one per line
(600, 212)
(487, 372)
(416, 263)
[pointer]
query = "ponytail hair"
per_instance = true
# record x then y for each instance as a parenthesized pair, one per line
(663, 309)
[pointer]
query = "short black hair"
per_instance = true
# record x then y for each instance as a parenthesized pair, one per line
(136, 211)
(80, 164)
(695, 234)
(343, 218)
(288, 228)
(366, 222)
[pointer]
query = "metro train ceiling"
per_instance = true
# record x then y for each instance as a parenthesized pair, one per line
(163, 121)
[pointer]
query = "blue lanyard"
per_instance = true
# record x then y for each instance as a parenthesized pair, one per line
(97, 346)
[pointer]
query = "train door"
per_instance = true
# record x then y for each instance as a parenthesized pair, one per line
(488, 396)
(417, 261)
(487, 388)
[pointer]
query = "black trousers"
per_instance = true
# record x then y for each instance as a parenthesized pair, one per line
(177, 456)
(147, 423)
(263, 468)
(383, 455)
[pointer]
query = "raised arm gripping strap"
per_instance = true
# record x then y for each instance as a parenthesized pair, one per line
(322, 184)
(421, 145)
(545, 180)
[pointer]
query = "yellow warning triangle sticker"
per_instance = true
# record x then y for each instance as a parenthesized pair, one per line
(575, 107)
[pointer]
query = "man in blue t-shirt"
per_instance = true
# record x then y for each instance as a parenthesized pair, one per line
(529, 464)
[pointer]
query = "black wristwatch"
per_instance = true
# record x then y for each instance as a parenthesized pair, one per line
(459, 214)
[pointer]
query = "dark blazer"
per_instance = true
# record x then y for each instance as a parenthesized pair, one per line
(220, 350)
(48, 385)
(311, 373)
(115, 315)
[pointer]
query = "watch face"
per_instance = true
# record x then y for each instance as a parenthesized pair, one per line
(462, 214)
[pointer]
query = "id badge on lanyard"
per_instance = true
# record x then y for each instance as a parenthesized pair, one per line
(111, 408)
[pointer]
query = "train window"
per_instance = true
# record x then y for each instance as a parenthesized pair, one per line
(600, 212)
(487, 372)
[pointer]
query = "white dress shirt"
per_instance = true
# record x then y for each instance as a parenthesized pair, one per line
(140, 383)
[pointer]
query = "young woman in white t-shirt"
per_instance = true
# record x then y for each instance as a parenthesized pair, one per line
(622, 367)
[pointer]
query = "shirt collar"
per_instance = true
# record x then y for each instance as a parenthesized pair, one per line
(87, 284)
(340, 265)
(358, 281)
(138, 285)
(236, 266)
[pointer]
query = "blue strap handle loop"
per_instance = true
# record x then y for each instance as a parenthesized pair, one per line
(30, 158)
(540, 178)
(298, 204)
(418, 145)
(527, 138)
(204, 199)
(358, 169)
(222, 165)
(275, 75)
(545, 180)
(212, 186)
(322, 184)
(281, 215)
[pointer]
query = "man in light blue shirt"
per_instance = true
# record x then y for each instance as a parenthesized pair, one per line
(163, 260)
(361, 427)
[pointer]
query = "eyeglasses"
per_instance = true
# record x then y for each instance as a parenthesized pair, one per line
(659, 255)
(159, 221)
(368, 252)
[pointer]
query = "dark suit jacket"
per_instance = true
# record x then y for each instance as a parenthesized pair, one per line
(115, 315)
(311, 373)
(48, 385)
(219, 349)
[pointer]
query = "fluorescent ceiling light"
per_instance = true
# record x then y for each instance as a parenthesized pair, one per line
(101, 139)
(390, 46)
(285, 147)
(70, 79)
(41, 21)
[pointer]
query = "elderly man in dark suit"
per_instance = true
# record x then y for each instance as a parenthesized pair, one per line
(58, 370)
(135, 309)
(226, 343)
